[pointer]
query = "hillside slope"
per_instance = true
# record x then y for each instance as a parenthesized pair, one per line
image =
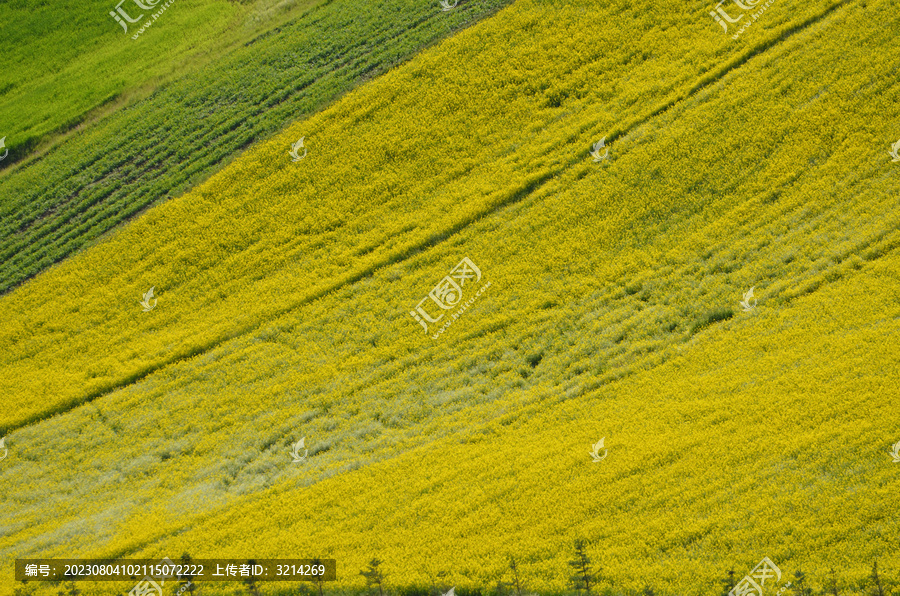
(392, 170)
(284, 294)
(734, 449)
(175, 138)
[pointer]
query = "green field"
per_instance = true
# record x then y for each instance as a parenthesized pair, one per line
(62, 62)
(284, 292)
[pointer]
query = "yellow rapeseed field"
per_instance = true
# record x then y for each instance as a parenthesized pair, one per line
(285, 289)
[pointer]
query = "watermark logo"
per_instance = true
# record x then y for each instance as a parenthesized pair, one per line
(445, 6)
(148, 585)
(448, 295)
(124, 19)
(6, 451)
(3, 146)
(295, 450)
(601, 144)
(895, 453)
(893, 152)
(755, 581)
(723, 18)
(596, 451)
(146, 301)
(119, 14)
(293, 151)
(745, 303)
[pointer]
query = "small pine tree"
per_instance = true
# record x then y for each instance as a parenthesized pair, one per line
(832, 589)
(515, 572)
(251, 581)
(582, 578)
(800, 587)
(374, 576)
(187, 561)
(318, 577)
(728, 583)
(877, 588)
